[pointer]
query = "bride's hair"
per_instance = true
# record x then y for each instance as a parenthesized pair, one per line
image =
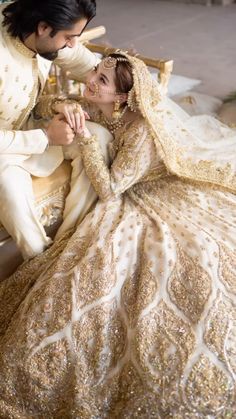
(124, 77)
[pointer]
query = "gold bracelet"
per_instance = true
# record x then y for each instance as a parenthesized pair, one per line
(59, 100)
(87, 140)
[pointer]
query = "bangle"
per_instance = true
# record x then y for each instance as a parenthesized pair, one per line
(83, 141)
(56, 101)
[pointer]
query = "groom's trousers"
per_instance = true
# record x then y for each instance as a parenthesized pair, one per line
(18, 213)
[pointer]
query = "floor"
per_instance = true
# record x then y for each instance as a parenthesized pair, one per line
(201, 39)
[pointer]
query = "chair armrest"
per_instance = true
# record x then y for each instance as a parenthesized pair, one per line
(165, 67)
(93, 33)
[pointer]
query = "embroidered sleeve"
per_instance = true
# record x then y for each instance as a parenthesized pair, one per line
(92, 110)
(45, 108)
(130, 164)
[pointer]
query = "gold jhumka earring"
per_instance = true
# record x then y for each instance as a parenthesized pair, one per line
(116, 111)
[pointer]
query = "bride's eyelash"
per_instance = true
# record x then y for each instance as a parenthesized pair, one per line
(95, 68)
(102, 80)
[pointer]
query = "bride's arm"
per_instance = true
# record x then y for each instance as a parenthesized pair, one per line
(49, 105)
(131, 163)
(46, 106)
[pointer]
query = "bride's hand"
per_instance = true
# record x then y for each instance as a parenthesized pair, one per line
(73, 113)
(83, 131)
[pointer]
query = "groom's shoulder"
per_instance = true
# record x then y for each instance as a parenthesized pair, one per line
(2, 7)
(2, 28)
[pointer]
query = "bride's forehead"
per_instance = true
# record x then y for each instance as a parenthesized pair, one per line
(108, 72)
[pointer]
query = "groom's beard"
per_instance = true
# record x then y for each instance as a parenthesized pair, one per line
(51, 56)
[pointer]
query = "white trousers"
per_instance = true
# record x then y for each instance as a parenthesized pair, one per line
(18, 212)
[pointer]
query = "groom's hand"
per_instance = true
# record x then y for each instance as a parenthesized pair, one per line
(59, 132)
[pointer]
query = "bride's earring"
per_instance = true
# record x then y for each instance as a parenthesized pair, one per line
(96, 91)
(116, 111)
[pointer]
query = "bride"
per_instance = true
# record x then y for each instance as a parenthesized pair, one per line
(133, 313)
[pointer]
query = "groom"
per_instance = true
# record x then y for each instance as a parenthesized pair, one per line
(33, 34)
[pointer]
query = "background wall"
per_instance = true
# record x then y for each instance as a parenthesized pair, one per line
(201, 39)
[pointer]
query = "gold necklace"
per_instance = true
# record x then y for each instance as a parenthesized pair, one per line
(115, 124)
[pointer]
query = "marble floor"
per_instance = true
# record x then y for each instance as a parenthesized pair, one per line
(201, 39)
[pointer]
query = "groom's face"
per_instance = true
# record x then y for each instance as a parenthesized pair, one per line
(48, 46)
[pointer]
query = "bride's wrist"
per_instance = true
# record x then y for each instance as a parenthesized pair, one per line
(83, 141)
(85, 133)
(59, 102)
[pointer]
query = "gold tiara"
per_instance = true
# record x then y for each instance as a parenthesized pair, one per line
(110, 62)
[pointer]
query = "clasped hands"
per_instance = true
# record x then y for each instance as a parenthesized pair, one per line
(68, 123)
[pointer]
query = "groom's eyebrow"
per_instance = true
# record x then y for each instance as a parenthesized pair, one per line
(73, 35)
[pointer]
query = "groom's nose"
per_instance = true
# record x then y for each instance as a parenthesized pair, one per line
(71, 43)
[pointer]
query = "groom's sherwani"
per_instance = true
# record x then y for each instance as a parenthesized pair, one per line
(22, 78)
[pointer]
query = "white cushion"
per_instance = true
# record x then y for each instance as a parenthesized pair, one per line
(179, 84)
(195, 103)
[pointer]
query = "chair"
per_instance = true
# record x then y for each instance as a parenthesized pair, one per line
(50, 192)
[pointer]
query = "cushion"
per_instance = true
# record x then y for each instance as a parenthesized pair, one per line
(227, 113)
(195, 103)
(179, 84)
(50, 193)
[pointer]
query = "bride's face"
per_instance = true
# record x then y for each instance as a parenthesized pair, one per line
(100, 85)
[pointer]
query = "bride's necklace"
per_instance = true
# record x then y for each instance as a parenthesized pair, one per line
(117, 123)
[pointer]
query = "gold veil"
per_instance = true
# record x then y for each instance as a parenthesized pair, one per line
(196, 148)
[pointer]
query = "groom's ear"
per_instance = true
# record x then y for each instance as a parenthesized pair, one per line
(43, 29)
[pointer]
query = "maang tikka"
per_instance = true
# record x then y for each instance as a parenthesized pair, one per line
(110, 62)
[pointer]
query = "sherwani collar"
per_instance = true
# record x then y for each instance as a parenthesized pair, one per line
(20, 46)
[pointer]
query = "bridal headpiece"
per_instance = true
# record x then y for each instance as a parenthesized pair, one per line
(144, 88)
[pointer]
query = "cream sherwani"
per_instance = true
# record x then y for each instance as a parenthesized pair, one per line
(22, 153)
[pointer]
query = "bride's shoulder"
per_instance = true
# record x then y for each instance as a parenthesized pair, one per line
(138, 122)
(140, 126)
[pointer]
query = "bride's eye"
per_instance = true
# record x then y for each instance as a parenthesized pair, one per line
(102, 80)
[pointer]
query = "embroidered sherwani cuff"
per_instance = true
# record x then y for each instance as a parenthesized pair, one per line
(46, 107)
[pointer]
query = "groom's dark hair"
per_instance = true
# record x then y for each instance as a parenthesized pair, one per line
(23, 16)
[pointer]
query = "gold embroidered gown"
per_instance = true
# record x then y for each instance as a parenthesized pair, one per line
(134, 313)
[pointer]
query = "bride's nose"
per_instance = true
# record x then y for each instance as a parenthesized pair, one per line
(91, 77)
